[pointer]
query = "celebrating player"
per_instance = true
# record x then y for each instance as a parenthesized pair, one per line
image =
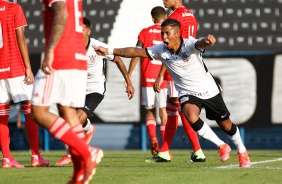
(195, 85)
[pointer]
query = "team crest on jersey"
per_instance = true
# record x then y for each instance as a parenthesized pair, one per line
(184, 56)
(92, 58)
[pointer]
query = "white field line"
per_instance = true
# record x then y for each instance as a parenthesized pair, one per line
(254, 163)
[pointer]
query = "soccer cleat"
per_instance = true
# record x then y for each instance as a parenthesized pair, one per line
(7, 163)
(89, 135)
(91, 163)
(244, 160)
(78, 172)
(224, 151)
(64, 160)
(160, 157)
(39, 161)
(197, 156)
(154, 146)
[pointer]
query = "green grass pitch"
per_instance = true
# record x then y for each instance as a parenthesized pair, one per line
(128, 167)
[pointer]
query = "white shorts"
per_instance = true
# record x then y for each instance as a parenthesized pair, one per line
(14, 89)
(152, 99)
(171, 91)
(64, 87)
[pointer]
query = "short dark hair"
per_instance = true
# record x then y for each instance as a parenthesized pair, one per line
(158, 12)
(87, 22)
(171, 22)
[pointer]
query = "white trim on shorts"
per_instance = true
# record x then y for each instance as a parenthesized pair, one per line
(152, 99)
(14, 89)
(65, 87)
(171, 91)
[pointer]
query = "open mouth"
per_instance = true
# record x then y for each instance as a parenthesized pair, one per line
(166, 43)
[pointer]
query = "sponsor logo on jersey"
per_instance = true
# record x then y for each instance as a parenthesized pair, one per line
(185, 14)
(154, 31)
(3, 8)
(5, 69)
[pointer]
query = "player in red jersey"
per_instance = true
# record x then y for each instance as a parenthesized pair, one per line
(62, 81)
(149, 71)
(16, 81)
(189, 26)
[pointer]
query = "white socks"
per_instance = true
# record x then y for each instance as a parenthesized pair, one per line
(236, 139)
(88, 128)
(207, 133)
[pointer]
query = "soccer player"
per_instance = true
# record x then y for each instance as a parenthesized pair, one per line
(195, 85)
(61, 80)
(189, 26)
(149, 71)
(16, 82)
(96, 84)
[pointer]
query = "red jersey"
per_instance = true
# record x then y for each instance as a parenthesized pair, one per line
(11, 62)
(70, 52)
(150, 36)
(188, 23)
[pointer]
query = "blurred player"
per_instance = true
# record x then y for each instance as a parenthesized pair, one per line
(16, 82)
(62, 81)
(195, 85)
(149, 71)
(189, 26)
(96, 84)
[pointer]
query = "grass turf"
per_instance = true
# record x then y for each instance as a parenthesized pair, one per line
(128, 167)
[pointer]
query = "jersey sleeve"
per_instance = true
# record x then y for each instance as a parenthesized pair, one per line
(142, 36)
(154, 51)
(19, 18)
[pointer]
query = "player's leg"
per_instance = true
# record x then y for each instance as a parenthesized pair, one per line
(92, 101)
(191, 109)
(32, 133)
(8, 161)
(161, 104)
(197, 154)
(148, 100)
(221, 115)
(10, 89)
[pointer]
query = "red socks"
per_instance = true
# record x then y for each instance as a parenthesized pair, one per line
(162, 131)
(4, 130)
(151, 128)
(191, 134)
(61, 130)
(171, 126)
(31, 129)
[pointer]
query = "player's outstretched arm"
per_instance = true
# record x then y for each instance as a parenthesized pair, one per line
(128, 52)
(206, 42)
(122, 68)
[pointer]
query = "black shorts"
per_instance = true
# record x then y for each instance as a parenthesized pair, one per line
(92, 101)
(215, 106)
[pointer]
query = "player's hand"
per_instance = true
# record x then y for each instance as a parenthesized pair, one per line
(129, 90)
(157, 85)
(47, 62)
(102, 51)
(29, 78)
(210, 40)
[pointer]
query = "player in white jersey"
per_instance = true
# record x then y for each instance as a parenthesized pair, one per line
(96, 85)
(195, 85)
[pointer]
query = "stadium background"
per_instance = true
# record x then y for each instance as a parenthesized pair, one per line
(246, 60)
